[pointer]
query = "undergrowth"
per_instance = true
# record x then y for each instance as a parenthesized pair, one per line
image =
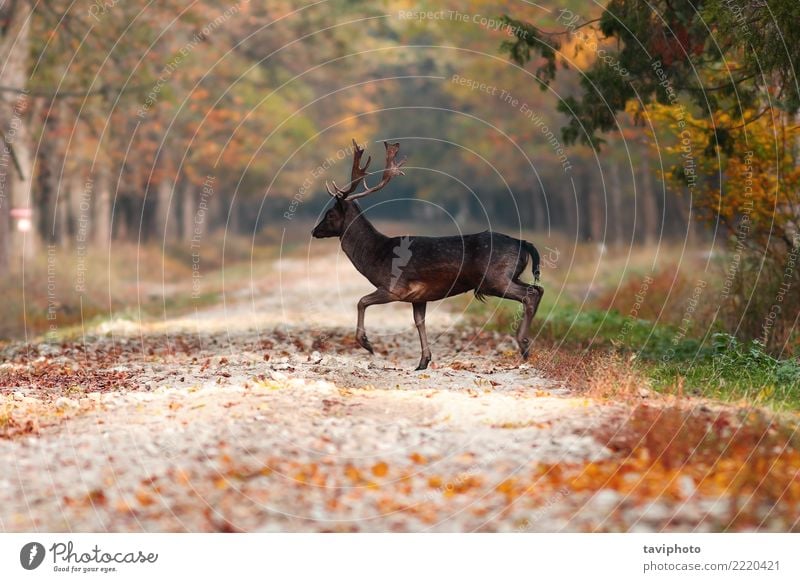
(576, 344)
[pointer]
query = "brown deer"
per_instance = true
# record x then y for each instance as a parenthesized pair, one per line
(418, 269)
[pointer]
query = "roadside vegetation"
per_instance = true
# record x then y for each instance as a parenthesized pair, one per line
(59, 293)
(666, 331)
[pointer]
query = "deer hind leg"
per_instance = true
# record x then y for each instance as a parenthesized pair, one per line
(419, 321)
(530, 301)
(377, 297)
(529, 296)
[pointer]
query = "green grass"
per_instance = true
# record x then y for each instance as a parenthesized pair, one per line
(728, 370)
(715, 366)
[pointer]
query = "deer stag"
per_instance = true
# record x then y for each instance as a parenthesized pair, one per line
(418, 269)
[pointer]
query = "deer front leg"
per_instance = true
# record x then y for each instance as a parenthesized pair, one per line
(419, 320)
(377, 297)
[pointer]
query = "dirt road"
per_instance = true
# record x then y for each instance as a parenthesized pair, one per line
(264, 415)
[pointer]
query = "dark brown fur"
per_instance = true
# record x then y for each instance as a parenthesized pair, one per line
(419, 269)
(488, 263)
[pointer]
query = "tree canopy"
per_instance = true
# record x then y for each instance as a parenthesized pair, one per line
(719, 54)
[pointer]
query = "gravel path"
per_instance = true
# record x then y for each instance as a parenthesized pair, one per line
(264, 415)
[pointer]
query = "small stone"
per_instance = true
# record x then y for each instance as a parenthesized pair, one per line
(606, 500)
(686, 485)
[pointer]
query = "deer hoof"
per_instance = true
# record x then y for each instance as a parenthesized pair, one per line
(364, 343)
(423, 364)
(525, 348)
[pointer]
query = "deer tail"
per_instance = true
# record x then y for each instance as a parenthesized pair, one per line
(536, 261)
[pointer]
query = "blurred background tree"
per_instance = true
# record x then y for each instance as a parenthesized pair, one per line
(139, 104)
(560, 118)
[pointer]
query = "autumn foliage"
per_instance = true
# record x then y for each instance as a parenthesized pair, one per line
(744, 182)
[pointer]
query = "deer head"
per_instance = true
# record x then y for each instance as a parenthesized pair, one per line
(333, 223)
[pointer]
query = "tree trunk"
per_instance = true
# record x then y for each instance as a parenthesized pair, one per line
(6, 169)
(15, 17)
(684, 216)
(101, 224)
(48, 198)
(188, 210)
(570, 211)
(14, 54)
(651, 228)
(78, 207)
(539, 210)
(62, 218)
(234, 221)
(5, 223)
(617, 224)
(22, 184)
(165, 231)
(594, 210)
(216, 215)
(60, 186)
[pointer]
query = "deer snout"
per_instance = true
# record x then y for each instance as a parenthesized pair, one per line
(324, 230)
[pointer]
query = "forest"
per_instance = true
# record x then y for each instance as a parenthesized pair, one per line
(164, 164)
(230, 111)
(116, 142)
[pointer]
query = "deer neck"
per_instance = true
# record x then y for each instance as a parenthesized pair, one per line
(361, 242)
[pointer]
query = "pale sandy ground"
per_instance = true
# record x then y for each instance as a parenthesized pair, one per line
(320, 436)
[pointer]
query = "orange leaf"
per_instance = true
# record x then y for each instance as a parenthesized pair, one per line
(380, 469)
(418, 459)
(352, 473)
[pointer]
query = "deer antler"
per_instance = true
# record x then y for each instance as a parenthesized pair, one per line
(357, 174)
(391, 170)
